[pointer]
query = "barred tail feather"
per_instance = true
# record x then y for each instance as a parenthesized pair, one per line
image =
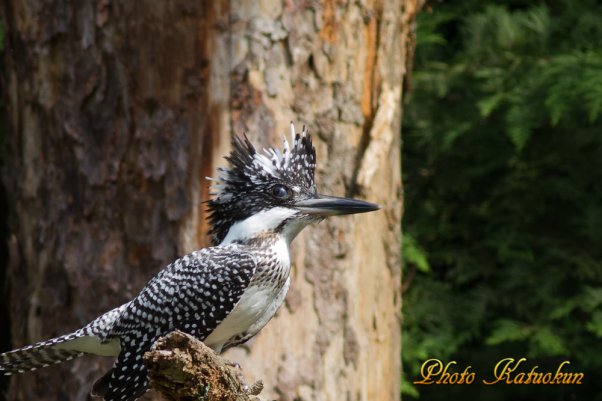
(89, 339)
(38, 355)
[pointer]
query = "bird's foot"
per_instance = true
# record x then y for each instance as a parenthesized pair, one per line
(255, 388)
(232, 364)
(252, 390)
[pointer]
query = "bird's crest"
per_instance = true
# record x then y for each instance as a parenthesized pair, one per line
(240, 188)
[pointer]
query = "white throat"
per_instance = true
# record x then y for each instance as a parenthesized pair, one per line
(264, 222)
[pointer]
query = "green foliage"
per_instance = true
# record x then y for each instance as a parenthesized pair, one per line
(503, 172)
(414, 254)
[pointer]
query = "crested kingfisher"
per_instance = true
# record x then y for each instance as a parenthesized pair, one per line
(222, 295)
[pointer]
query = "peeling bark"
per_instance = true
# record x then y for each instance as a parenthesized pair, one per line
(338, 67)
(118, 110)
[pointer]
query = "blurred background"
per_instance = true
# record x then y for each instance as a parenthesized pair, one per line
(502, 170)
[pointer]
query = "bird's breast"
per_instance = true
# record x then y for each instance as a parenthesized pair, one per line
(258, 304)
(256, 307)
(261, 299)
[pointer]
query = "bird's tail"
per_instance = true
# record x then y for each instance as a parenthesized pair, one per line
(39, 355)
(89, 339)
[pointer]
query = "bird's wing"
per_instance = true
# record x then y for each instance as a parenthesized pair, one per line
(194, 294)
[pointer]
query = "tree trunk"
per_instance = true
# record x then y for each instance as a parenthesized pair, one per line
(117, 112)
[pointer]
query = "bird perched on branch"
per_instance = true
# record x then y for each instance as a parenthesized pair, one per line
(222, 295)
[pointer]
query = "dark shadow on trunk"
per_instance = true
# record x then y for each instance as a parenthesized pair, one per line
(5, 327)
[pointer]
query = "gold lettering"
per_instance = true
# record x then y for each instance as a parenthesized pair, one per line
(578, 378)
(530, 375)
(430, 368)
(434, 371)
(559, 376)
(566, 378)
(538, 376)
(547, 377)
(503, 369)
(446, 377)
(519, 378)
(467, 377)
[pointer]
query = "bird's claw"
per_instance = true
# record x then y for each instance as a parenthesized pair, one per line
(233, 364)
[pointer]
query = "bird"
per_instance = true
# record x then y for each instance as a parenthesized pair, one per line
(222, 295)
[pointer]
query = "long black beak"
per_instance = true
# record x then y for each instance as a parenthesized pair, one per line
(324, 205)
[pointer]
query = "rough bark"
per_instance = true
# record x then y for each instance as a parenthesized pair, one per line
(182, 368)
(117, 112)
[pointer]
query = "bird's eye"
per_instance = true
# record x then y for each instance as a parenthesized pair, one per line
(280, 192)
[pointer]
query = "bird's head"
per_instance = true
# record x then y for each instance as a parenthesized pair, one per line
(273, 191)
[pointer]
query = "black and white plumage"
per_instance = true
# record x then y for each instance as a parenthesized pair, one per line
(245, 189)
(222, 295)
